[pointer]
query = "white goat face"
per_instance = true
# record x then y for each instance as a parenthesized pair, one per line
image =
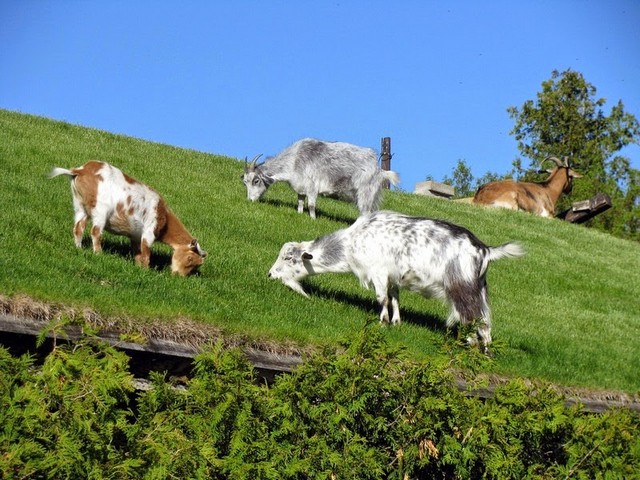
(289, 267)
(256, 185)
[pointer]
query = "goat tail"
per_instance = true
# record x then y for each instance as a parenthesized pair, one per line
(60, 171)
(508, 250)
(391, 176)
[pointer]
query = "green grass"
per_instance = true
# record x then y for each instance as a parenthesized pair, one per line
(568, 312)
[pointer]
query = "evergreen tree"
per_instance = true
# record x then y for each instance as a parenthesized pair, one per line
(567, 119)
(461, 181)
(465, 184)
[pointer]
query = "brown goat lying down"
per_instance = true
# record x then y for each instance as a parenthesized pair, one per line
(119, 204)
(537, 198)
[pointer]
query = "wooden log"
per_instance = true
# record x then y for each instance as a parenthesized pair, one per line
(585, 210)
(385, 157)
(261, 359)
(434, 189)
(176, 359)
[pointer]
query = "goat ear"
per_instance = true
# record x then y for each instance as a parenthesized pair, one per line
(194, 246)
(268, 181)
(306, 256)
(574, 174)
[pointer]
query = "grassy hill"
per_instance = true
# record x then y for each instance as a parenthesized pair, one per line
(568, 312)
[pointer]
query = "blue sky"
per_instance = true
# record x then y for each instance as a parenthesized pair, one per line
(245, 77)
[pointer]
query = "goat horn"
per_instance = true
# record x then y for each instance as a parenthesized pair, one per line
(555, 160)
(250, 167)
(255, 159)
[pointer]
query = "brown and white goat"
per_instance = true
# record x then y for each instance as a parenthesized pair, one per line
(538, 198)
(119, 204)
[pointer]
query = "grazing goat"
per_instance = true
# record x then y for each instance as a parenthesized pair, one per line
(313, 167)
(123, 206)
(389, 250)
(537, 198)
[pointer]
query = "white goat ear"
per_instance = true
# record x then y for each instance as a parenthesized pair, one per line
(306, 256)
(194, 246)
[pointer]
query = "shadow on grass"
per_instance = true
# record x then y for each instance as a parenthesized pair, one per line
(319, 212)
(159, 260)
(372, 308)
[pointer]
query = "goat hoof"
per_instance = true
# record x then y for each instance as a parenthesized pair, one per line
(472, 341)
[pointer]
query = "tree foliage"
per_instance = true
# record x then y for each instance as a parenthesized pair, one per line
(567, 119)
(363, 412)
(461, 180)
(465, 184)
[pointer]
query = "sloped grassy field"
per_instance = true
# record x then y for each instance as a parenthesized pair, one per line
(568, 312)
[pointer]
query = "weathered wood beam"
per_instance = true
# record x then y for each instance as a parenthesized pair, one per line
(434, 189)
(268, 363)
(261, 359)
(385, 157)
(585, 210)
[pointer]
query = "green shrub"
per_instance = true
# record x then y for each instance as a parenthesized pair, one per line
(364, 411)
(67, 417)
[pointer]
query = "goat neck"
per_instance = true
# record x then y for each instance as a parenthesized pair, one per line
(556, 183)
(170, 229)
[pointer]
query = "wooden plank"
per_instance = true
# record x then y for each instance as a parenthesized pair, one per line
(592, 405)
(585, 210)
(269, 364)
(261, 359)
(434, 189)
(385, 158)
(579, 206)
(25, 326)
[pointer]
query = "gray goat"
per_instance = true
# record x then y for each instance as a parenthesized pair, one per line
(314, 167)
